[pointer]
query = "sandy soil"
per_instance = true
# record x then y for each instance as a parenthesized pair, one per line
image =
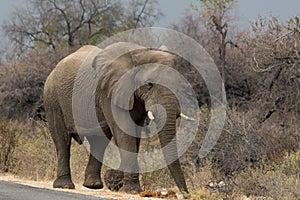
(104, 193)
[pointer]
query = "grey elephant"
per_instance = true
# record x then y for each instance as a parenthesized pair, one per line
(110, 67)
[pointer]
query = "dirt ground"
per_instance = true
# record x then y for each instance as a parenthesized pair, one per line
(104, 193)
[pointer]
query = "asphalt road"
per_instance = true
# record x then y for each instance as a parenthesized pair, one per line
(13, 191)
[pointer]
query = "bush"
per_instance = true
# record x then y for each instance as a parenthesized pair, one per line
(204, 194)
(22, 84)
(245, 141)
(245, 152)
(10, 133)
(32, 152)
(278, 180)
(291, 164)
(35, 155)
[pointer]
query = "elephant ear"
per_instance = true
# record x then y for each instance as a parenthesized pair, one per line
(112, 63)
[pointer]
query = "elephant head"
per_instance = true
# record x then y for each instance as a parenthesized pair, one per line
(145, 92)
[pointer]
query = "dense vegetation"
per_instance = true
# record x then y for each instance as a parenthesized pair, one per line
(258, 152)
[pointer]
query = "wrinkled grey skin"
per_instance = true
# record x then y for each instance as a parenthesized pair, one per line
(58, 106)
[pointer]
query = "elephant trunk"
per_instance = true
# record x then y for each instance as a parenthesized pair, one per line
(167, 137)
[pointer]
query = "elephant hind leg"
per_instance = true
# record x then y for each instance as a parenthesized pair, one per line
(62, 141)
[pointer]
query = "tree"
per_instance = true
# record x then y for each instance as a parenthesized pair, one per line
(277, 44)
(218, 13)
(210, 24)
(56, 23)
(143, 13)
(274, 56)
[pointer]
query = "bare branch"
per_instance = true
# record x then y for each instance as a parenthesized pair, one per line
(57, 22)
(284, 35)
(257, 67)
(141, 13)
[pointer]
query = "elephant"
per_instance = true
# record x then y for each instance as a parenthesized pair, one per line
(58, 92)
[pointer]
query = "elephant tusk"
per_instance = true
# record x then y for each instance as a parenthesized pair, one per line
(150, 115)
(186, 117)
(164, 48)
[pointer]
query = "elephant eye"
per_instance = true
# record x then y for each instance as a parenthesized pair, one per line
(149, 84)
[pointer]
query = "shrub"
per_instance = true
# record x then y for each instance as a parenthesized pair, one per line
(22, 84)
(245, 141)
(35, 155)
(204, 194)
(278, 180)
(246, 149)
(32, 152)
(10, 133)
(291, 164)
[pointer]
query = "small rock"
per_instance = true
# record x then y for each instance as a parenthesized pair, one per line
(164, 191)
(245, 198)
(221, 184)
(211, 184)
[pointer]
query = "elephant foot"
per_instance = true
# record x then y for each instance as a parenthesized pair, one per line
(93, 182)
(131, 188)
(64, 182)
(113, 179)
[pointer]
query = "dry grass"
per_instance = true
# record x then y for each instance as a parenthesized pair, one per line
(10, 133)
(204, 194)
(272, 180)
(251, 159)
(32, 156)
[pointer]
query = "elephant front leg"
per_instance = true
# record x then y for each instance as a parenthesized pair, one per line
(98, 145)
(128, 147)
